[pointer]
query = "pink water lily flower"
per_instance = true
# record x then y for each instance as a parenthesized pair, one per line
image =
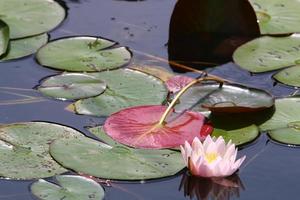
(212, 158)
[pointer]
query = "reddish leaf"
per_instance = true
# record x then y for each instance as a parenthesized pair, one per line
(176, 83)
(137, 127)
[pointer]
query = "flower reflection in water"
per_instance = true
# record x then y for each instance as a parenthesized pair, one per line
(211, 188)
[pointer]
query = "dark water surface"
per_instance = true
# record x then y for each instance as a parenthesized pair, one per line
(271, 171)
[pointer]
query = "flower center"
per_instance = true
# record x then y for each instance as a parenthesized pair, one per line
(211, 157)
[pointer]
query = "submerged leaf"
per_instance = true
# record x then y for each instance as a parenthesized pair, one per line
(24, 149)
(208, 31)
(138, 127)
(125, 88)
(229, 98)
(83, 54)
(115, 162)
(268, 53)
(277, 16)
(4, 37)
(31, 17)
(156, 71)
(176, 83)
(68, 188)
(24, 47)
(72, 86)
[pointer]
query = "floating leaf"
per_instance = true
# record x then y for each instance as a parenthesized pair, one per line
(277, 16)
(24, 47)
(268, 53)
(289, 135)
(118, 162)
(4, 37)
(176, 83)
(125, 88)
(138, 127)
(72, 86)
(31, 17)
(100, 134)
(287, 111)
(289, 76)
(24, 149)
(229, 98)
(83, 54)
(239, 136)
(284, 126)
(156, 71)
(68, 188)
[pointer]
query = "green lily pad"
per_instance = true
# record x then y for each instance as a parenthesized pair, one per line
(72, 86)
(100, 134)
(83, 54)
(68, 188)
(4, 37)
(31, 17)
(284, 125)
(268, 53)
(24, 149)
(115, 162)
(238, 136)
(228, 98)
(289, 76)
(125, 88)
(287, 112)
(277, 16)
(289, 135)
(24, 47)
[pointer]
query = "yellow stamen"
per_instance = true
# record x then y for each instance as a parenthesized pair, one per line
(211, 157)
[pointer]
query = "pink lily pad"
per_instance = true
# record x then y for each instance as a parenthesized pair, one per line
(138, 127)
(176, 83)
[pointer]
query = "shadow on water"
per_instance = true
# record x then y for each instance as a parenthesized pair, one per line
(208, 31)
(211, 188)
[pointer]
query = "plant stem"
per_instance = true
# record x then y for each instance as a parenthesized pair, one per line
(182, 91)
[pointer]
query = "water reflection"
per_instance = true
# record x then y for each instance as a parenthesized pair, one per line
(214, 188)
(208, 31)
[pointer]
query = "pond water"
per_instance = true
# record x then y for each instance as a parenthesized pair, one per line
(271, 171)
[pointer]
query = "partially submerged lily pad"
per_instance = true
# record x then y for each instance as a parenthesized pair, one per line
(229, 98)
(24, 47)
(156, 71)
(176, 83)
(24, 149)
(115, 162)
(268, 53)
(125, 88)
(284, 124)
(4, 37)
(277, 16)
(72, 86)
(83, 54)
(68, 188)
(138, 127)
(31, 17)
(289, 76)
